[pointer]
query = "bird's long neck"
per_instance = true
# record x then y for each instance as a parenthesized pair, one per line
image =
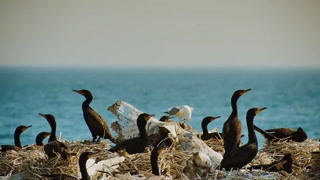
(53, 132)
(154, 165)
(142, 129)
(234, 100)
(143, 133)
(83, 169)
(17, 139)
(88, 100)
(204, 127)
(251, 133)
(155, 168)
(39, 140)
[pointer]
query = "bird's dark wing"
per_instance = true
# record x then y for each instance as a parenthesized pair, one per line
(174, 110)
(97, 124)
(281, 132)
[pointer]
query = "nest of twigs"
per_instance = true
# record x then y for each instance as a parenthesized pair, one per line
(173, 163)
(33, 163)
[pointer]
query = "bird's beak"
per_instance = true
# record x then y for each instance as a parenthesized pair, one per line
(42, 115)
(213, 118)
(79, 92)
(245, 91)
(26, 128)
(149, 116)
(261, 109)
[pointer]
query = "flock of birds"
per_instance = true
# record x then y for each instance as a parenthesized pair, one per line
(235, 156)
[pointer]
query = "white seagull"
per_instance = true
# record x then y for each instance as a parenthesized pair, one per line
(181, 111)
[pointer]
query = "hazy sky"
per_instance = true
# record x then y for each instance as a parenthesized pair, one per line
(160, 33)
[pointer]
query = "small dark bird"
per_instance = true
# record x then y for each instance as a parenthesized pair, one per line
(52, 121)
(136, 144)
(97, 125)
(154, 160)
(284, 164)
(241, 156)
(165, 118)
(206, 135)
(298, 135)
(232, 127)
(17, 143)
(54, 146)
(40, 137)
(82, 165)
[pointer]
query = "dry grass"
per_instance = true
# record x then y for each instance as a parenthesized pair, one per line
(32, 161)
(173, 164)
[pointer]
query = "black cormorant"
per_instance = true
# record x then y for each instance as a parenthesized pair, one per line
(165, 118)
(154, 160)
(284, 164)
(54, 146)
(241, 156)
(136, 144)
(232, 127)
(97, 125)
(40, 137)
(82, 165)
(52, 121)
(17, 143)
(298, 135)
(206, 135)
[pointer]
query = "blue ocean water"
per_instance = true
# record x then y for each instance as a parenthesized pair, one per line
(291, 95)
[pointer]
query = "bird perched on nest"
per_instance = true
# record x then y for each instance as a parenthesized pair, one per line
(17, 143)
(232, 127)
(277, 134)
(154, 160)
(181, 111)
(40, 137)
(284, 164)
(54, 146)
(204, 124)
(136, 144)
(97, 125)
(241, 156)
(165, 119)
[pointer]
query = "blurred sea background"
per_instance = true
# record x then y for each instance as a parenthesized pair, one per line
(291, 95)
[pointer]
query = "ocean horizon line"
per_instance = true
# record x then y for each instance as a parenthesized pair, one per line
(210, 68)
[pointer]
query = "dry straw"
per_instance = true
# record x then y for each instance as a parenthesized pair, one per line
(173, 163)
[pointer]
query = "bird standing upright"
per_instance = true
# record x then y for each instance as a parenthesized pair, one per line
(97, 125)
(181, 111)
(232, 127)
(241, 156)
